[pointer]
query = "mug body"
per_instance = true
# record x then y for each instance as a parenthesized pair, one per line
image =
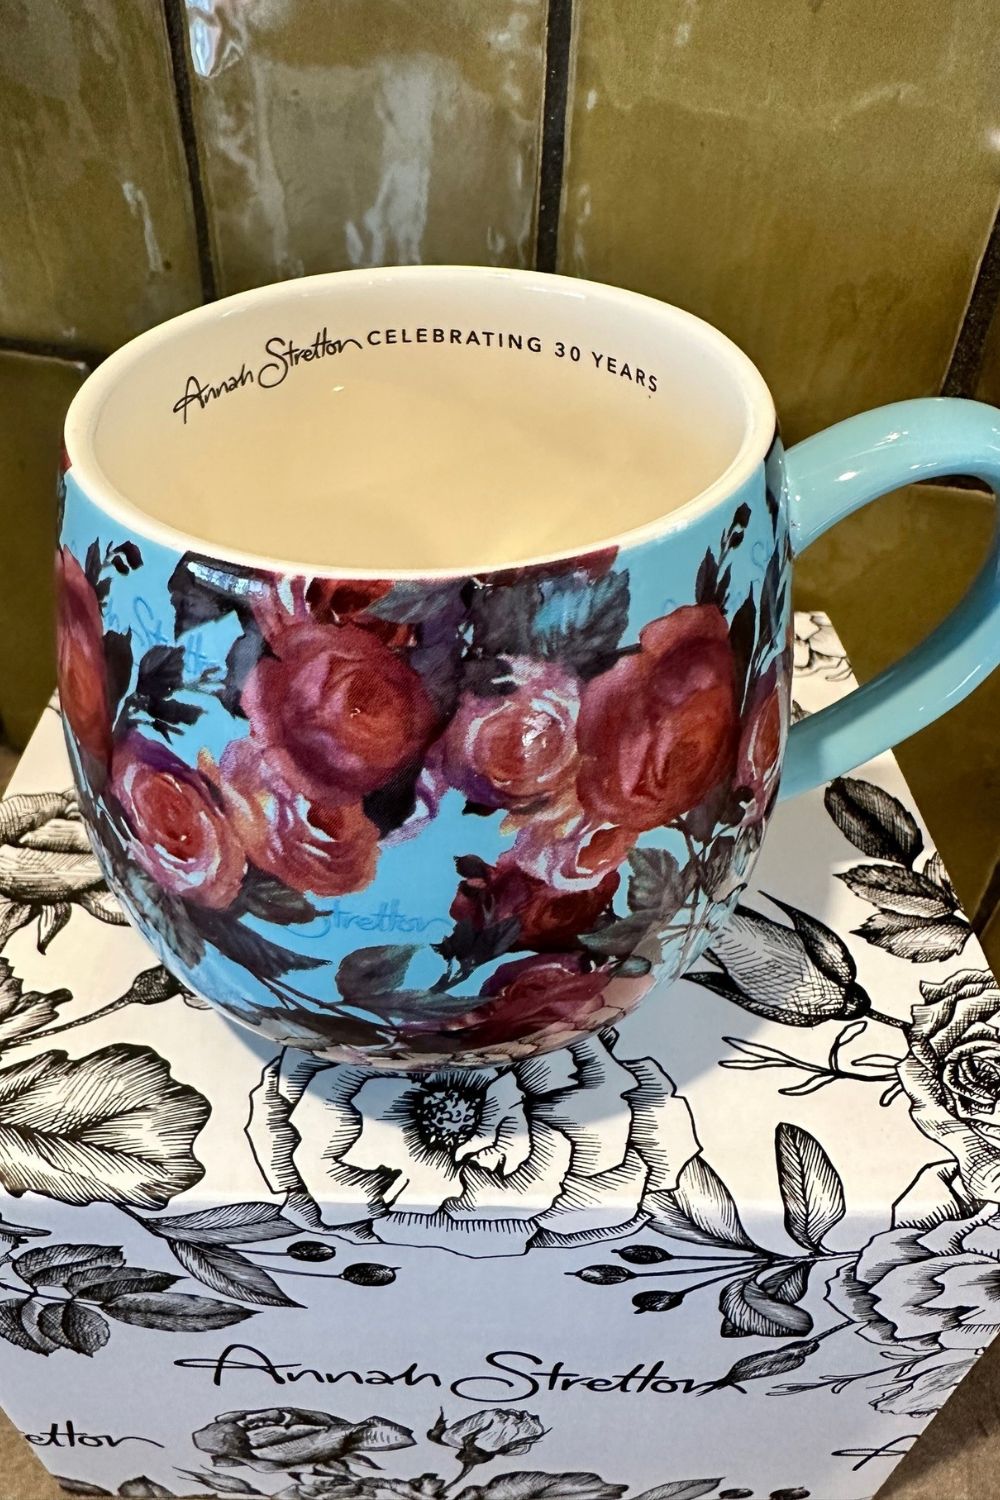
(395, 780)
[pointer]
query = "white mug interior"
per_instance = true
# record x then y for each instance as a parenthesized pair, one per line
(413, 421)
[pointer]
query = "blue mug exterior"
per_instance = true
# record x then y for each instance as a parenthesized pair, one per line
(414, 822)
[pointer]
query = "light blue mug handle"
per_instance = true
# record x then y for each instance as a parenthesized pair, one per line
(836, 472)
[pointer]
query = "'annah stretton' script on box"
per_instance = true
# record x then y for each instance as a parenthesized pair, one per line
(507, 1375)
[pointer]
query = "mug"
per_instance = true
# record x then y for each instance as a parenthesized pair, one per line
(424, 647)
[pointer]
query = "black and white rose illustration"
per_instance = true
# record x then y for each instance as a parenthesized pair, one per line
(47, 867)
(327, 1458)
(556, 1150)
(817, 649)
(951, 1076)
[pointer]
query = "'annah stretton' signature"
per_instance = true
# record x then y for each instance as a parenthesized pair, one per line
(283, 355)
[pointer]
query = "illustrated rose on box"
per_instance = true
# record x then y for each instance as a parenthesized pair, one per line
(560, 1150)
(951, 1075)
(285, 1437)
(47, 867)
(929, 1295)
(497, 1432)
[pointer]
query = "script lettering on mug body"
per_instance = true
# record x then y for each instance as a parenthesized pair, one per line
(505, 1375)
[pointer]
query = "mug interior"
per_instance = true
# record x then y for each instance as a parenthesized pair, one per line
(418, 421)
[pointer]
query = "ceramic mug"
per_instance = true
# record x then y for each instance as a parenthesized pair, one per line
(423, 643)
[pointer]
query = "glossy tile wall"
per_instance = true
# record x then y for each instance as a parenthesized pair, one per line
(818, 177)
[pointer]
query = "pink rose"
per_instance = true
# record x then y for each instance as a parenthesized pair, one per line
(83, 684)
(516, 749)
(328, 849)
(657, 732)
(183, 836)
(343, 711)
(567, 849)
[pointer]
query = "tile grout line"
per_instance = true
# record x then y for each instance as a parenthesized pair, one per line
(967, 355)
(558, 45)
(77, 354)
(177, 43)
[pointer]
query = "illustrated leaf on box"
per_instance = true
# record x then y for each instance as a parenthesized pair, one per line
(895, 888)
(227, 1224)
(751, 1312)
(24, 1011)
(114, 1126)
(54, 1265)
(226, 1270)
(374, 971)
(503, 618)
(810, 1185)
(763, 1366)
(98, 1284)
(789, 1283)
(534, 1485)
(681, 1489)
(919, 940)
(224, 1484)
(873, 820)
(174, 1312)
(701, 1209)
(73, 1325)
(12, 1326)
(143, 1488)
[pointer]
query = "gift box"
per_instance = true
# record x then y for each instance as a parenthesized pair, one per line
(744, 1245)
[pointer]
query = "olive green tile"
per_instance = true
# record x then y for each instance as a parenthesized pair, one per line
(816, 177)
(34, 394)
(337, 133)
(95, 231)
(886, 576)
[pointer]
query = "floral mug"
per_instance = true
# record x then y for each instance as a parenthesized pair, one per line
(423, 647)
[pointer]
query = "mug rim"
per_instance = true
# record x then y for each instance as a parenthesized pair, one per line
(759, 418)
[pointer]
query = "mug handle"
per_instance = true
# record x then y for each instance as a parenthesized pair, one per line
(836, 472)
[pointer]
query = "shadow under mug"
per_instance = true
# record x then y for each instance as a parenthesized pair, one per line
(495, 748)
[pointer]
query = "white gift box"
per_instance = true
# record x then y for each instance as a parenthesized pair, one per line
(744, 1246)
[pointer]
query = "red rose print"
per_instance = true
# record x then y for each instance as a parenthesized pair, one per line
(549, 999)
(517, 749)
(658, 730)
(183, 836)
(759, 753)
(280, 606)
(83, 686)
(549, 920)
(325, 849)
(569, 850)
(342, 711)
